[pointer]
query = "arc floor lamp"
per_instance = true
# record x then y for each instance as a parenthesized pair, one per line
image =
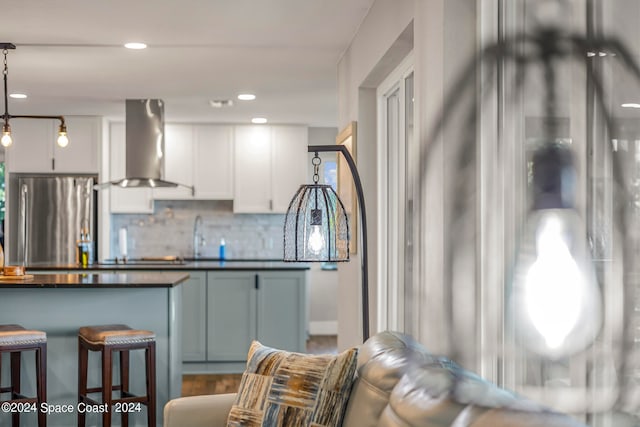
(316, 227)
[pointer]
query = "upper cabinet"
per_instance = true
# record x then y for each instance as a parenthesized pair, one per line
(258, 167)
(34, 148)
(270, 165)
(200, 156)
(213, 162)
(178, 161)
(124, 200)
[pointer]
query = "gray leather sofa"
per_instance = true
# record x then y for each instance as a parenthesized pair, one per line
(400, 384)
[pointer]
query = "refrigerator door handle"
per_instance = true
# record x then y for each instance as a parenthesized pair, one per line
(23, 222)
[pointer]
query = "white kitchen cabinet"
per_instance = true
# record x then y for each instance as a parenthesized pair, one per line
(124, 200)
(178, 161)
(289, 164)
(35, 150)
(213, 162)
(252, 192)
(198, 155)
(270, 165)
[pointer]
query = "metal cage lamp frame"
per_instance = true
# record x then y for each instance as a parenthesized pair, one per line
(553, 185)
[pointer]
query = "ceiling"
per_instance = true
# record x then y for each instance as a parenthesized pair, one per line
(70, 60)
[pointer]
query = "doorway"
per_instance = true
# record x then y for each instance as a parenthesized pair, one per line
(396, 154)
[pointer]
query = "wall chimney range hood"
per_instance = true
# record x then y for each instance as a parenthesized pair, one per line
(144, 146)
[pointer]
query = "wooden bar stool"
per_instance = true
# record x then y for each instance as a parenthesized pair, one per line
(15, 339)
(107, 339)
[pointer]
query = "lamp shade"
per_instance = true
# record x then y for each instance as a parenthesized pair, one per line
(316, 226)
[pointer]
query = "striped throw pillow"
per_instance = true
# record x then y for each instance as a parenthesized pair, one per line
(285, 389)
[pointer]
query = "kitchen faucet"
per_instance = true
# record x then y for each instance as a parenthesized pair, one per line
(198, 238)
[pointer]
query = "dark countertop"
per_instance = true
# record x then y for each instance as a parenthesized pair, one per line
(97, 280)
(187, 265)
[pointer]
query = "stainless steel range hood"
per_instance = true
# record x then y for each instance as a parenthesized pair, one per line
(144, 146)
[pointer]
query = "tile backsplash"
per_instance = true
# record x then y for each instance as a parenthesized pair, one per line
(169, 231)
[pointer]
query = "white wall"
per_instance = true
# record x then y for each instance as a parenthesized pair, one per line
(385, 22)
(443, 35)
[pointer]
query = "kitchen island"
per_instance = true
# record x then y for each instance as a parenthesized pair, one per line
(60, 304)
(226, 304)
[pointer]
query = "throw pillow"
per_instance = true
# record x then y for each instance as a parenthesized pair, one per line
(285, 389)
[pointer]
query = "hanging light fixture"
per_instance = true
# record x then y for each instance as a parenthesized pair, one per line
(555, 305)
(316, 227)
(7, 140)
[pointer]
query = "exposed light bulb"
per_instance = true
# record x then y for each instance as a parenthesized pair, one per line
(6, 139)
(63, 139)
(555, 301)
(316, 241)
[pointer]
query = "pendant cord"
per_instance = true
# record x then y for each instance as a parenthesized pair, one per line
(5, 72)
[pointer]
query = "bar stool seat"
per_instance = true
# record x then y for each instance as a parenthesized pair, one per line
(115, 334)
(119, 338)
(15, 339)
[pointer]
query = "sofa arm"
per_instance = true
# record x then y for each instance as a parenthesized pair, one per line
(198, 411)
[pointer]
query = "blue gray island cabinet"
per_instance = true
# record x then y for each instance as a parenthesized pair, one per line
(60, 304)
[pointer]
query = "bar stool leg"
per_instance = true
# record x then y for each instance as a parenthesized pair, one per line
(83, 356)
(41, 382)
(124, 383)
(107, 386)
(15, 385)
(150, 354)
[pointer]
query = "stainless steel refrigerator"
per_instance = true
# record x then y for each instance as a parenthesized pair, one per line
(47, 215)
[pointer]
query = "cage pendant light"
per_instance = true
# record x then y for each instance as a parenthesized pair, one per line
(316, 226)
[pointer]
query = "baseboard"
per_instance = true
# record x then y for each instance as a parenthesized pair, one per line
(323, 327)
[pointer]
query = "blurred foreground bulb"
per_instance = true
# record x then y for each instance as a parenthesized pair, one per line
(555, 301)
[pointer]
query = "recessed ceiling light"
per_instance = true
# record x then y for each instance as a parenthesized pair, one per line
(631, 105)
(135, 45)
(246, 97)
(259, 120)
(18, 95)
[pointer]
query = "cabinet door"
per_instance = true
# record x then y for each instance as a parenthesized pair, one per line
(178, 161)
(32, 146)
(81, 155)
(124, 200)
(194, 317)
(213, 162)
(289, 164)
(282, 313)
(252, 192)
(231, 323)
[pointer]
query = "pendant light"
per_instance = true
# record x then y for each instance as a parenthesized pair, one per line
(316, 226)
(7, 140)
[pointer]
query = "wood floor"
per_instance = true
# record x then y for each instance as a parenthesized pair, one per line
(195, 385)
